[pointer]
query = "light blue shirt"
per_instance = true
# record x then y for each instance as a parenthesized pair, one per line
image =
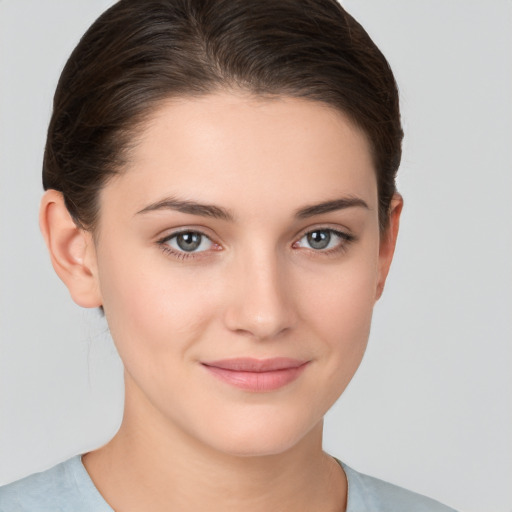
(67, 487)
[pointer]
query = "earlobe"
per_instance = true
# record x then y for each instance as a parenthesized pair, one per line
(71, 249)
(388, 242)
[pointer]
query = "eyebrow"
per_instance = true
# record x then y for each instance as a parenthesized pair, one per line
(217, 212)
(330, 206)
(191, 207)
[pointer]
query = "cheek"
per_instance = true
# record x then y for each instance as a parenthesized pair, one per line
(337, 306)
(152, 309)
(339, 302)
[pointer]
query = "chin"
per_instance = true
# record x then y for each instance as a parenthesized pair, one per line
(261, 438)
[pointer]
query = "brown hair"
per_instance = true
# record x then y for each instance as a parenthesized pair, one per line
(139, 53)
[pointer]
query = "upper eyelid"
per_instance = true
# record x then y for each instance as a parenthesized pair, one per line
(338, 230)
(179, 231)
(346, 237)
(163, 243)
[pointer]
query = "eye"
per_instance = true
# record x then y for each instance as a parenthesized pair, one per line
(324, 240)
(187, 242)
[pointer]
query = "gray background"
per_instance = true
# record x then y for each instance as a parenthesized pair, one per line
(431, 407)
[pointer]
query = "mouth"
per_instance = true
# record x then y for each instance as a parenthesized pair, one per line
(256, 375)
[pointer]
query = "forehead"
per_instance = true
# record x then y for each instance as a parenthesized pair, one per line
(240, 150)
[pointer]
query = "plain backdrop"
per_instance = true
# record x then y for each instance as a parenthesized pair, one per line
(431, 406)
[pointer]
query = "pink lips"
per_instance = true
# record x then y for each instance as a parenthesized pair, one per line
(257, 375)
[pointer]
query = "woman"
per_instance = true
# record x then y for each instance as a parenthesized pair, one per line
(220, 181)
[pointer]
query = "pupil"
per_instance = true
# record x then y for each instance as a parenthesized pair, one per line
(188, 241)
(319, 239)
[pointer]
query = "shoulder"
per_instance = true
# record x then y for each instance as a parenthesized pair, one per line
(369, 494)
(65, 487)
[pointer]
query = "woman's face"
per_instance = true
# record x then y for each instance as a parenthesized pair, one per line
(238, 261)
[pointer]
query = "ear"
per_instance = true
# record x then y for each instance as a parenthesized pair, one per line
(388, 242)
(72, 250)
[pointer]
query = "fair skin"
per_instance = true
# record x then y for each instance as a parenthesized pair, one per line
(264, 277)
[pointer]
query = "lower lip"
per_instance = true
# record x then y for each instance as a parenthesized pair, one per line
(257, 381)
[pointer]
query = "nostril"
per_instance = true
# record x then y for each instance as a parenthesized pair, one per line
(260, 319)
(260, 303)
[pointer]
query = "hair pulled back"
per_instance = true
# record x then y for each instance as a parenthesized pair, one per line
(140, 53)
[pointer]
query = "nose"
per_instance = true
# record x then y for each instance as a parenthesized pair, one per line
(260, 304)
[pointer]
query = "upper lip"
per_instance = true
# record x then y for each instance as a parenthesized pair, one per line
(249, 364)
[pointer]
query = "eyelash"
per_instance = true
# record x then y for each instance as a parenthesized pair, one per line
(346, 239)
(341, 246)
(181, 255)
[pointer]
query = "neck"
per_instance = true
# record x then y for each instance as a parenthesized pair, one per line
(151, 465)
